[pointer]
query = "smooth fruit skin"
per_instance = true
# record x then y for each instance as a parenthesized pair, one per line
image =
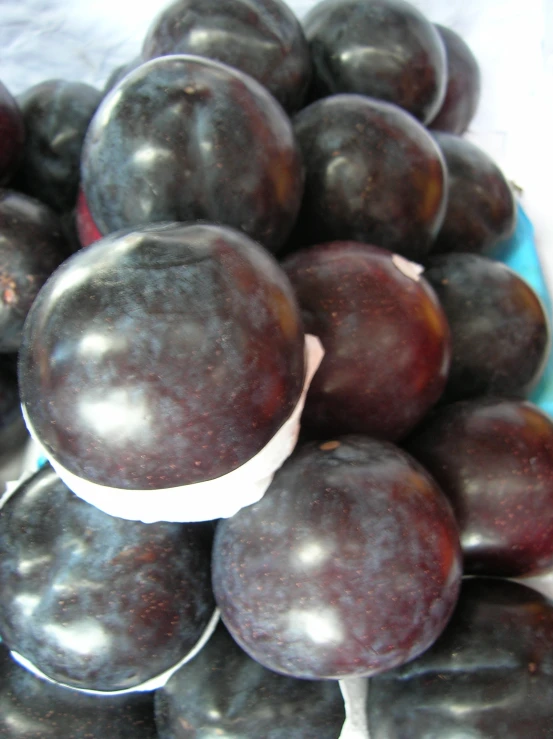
(56, 114)
(223, 692)
(185, 138)
(32, 246)
(261, 37)
(372, 173)
(493, 458)
(163, 356)
(385, 335)
(481, 207)
(463, 85)
(488, 676)
(384, 49)
(500, 331)
(12, 135)
(94, 601)
(348, 566)
(32, 708)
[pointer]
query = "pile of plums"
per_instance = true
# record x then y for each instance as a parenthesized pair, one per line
(169, 248)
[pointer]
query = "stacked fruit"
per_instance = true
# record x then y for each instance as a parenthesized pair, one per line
(277, 221)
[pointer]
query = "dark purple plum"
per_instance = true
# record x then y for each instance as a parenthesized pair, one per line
(184, 138)
(32, 708)
(260, 37)
(385, 335)
(94, 601)
(385, 49)
(56, 114)
(119, 72)
(481, 207)
(12, 135)
(372, 174)
(32, 245)
(463, 85)
(493, 458)
(167, 355)
(223, 692)
(499, 327)
(348, 566)
(488, 676)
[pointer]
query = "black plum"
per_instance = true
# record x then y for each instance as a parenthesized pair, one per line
(12, 427)
(32, 708)
(260, 37)
(493, 458)
(95, 601)
(499, 327)
(463, 85)
(56, 114)
(223, 692)
(481, 207)
(12, 135)
(385, 49)
(385, 335)
(163, 356)
(185, 138)
(348, 566)
(372, 173)
(32, 245)
(488, 676)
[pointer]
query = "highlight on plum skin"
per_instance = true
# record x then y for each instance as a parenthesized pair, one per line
(348, 566)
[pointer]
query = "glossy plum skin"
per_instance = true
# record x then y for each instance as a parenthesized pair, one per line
(348, 566)
(95, 601)
(481, 208)
(385, 49)
(31, 708)
(182, 138)
(463, 85)
(494, 661)
(164, 356)
(32, 245)
(262, 38)
(372, 173)
(500, 331)
(12, 135)
(56, 114)
(493, 458)
(385, 335)
(223, 692)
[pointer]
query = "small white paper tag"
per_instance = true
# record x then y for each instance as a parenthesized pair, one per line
(201, 501)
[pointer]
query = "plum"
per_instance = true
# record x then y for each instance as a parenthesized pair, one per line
(12, 135)
(185, 138)
(385, 334)
(163, 356)
(223, 692)
(260, 37)
(488, 676)
(384, 49)
(93, 601)
(463, 85)
(493, 458)
(372, 173)
(56, 114)
(348, 566)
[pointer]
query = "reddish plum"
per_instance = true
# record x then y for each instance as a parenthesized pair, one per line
(493, 458)
(385, 334)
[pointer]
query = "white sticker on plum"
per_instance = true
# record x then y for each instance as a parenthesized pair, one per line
(201, 501)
